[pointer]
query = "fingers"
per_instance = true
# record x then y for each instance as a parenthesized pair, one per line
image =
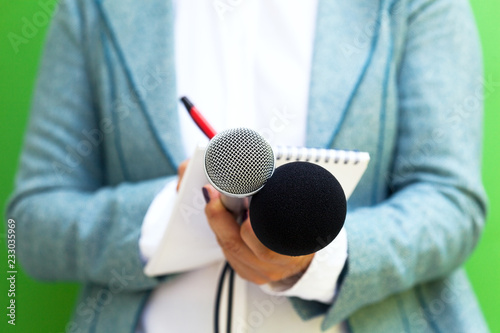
(243, 250)
(227, 232)
(246, 271)
(219, 218)
(284, 266)
(223, 224)
(259, 249)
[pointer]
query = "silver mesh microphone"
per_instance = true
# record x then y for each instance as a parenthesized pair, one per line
(238, 163)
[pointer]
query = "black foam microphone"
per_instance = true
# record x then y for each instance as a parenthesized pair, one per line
(238, 163)
(300, 210)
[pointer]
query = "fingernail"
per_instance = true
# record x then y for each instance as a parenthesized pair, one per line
(205, 194)
(245, 215)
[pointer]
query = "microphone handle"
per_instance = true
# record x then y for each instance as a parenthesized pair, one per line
(236, 205)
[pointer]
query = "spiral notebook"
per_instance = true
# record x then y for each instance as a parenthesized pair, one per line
(347, 166)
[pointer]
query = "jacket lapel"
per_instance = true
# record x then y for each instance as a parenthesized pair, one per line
(147, 54)
(346, 35)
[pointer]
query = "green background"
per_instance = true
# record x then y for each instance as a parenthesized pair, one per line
(46, 307)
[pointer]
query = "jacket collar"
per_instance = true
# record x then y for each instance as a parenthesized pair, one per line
(346, 36)
(147, 54)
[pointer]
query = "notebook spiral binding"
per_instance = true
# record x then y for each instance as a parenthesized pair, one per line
(317, 155)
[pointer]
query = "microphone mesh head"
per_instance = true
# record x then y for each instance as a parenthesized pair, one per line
(238, 162)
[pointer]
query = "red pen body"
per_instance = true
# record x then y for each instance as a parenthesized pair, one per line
(198, 118)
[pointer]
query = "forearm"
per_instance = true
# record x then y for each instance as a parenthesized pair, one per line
(66, 234)
(411, 241)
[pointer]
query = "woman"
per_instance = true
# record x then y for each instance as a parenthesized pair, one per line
(398, 79)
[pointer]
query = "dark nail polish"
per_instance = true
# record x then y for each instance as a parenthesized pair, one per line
(205, 194)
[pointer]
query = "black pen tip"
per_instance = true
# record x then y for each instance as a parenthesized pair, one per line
(187, 103)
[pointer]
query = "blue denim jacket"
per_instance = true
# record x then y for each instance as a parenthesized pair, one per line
(400, 79)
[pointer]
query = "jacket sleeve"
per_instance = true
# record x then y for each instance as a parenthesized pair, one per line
(434, 216)
(70, 224)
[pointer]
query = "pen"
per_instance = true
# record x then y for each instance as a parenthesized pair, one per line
(198, 118)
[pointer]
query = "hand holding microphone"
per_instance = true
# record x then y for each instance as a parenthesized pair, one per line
(295, 210)
(300, 210)
(246, 254)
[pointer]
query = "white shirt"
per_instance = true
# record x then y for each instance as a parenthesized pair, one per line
(243, 63)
